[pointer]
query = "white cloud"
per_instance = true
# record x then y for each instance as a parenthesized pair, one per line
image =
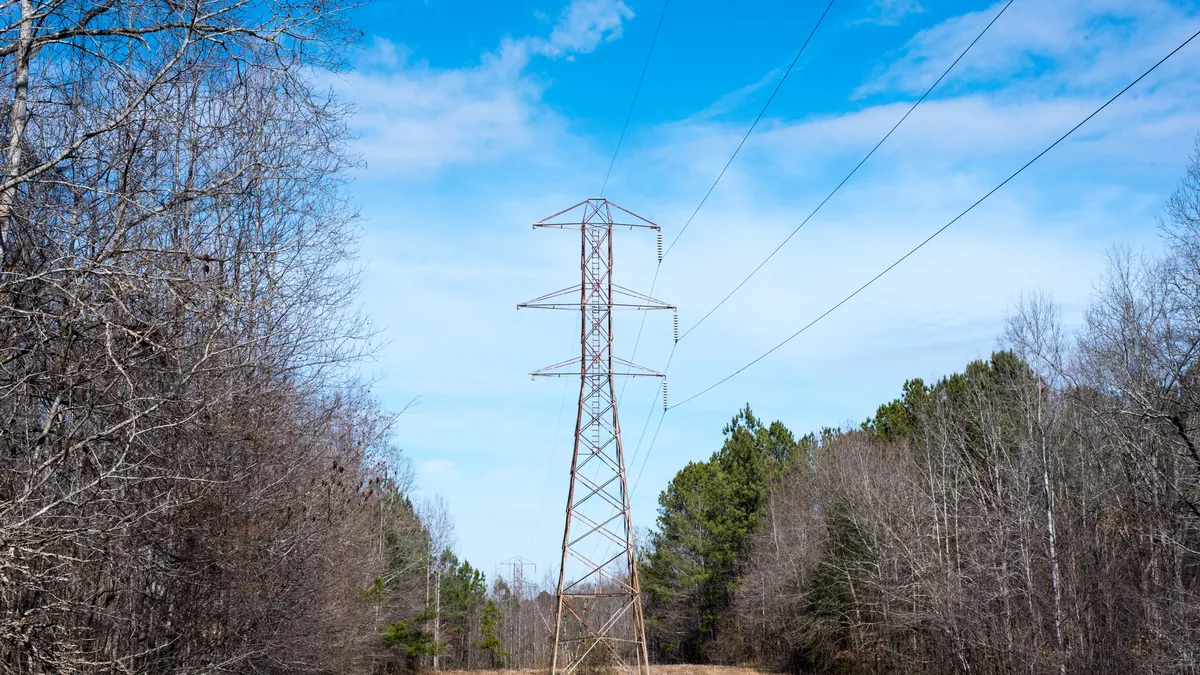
(1063, 44)
(975, 129)
(447, 299)
(415, 119)
(384, 53)
(584, 24)
(891, 12)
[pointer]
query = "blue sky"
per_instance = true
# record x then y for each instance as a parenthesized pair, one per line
(477, 118)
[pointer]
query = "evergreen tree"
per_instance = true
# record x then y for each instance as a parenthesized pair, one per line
(462, 593)
(488, 632)
(707, 515)
(411, 638)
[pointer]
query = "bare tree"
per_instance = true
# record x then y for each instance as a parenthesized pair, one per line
(189, 481)
(1034, 332)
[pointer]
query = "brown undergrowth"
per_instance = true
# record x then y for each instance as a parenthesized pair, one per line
(654, 670)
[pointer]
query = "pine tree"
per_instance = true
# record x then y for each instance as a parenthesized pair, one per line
(489, 639)
(411, 640)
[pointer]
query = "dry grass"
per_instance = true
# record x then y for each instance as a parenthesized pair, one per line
(654, 670)
(702, 670)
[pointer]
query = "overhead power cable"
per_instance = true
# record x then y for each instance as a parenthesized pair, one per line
(835, 190)
(940, 230)
(636, 91)
(537, 521)
(647, 457)
(849, 175)
(762, 112)
(650, 414)
(778, 85)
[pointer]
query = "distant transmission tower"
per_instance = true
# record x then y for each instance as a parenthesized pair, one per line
(516, 638)
(599, 620)
(518, 565)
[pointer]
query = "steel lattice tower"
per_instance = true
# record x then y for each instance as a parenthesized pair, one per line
(599, 621)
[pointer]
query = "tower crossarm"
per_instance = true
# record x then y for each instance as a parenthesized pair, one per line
(546, 301)
(622, 298)
(644, 301)
(589, 211)
(634, 370)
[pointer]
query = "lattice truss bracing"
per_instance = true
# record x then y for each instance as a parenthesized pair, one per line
(599, 620)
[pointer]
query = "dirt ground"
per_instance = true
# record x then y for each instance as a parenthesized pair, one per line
(654, 670)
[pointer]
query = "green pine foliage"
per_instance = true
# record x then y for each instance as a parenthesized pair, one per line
(429, 601)
(489, 637)
(706, 516)
(993, 379)
(412, 638)
(711, 511)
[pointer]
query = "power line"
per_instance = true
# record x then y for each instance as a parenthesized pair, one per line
(712, 187)
(537, 521)
(647, 457)
(849, 175)
(649, 415)
(636, 91)
(762, 112)
(807, 218)
(939, 230)
(621, 139)
(662, 383)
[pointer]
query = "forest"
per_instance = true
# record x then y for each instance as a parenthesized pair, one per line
(195, 477)
(1037, 512)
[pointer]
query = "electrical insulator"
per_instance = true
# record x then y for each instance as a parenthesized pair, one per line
(660, 247)
(664, 394)
(676, 315)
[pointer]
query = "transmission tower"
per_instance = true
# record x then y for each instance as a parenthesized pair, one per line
(598, 619)
(516, 637)
(518, 565)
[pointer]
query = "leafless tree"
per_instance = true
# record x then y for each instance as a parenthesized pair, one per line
(1039, 515)
(189, 479)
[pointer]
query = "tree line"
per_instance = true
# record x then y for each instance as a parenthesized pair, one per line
(193, 478)
(1037, 512)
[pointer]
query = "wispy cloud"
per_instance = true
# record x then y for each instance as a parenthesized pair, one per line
(991, 115)
(1066, 44)
(584, 24)
(414, 119)
(456, 339)
(737, 97)
(891, 12)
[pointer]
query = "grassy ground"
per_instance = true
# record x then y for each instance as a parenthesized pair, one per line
(654, 670)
